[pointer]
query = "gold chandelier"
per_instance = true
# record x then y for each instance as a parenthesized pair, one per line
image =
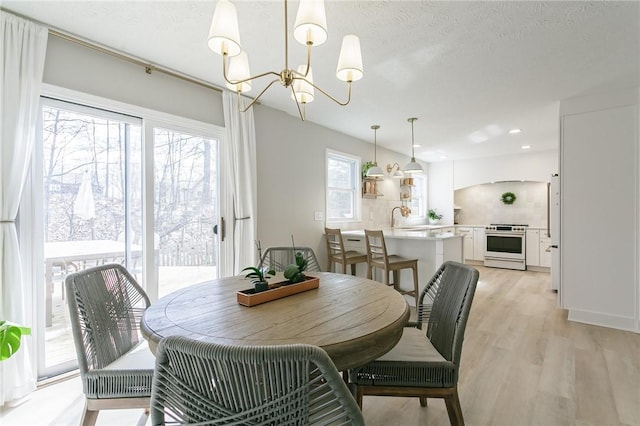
(310, 29)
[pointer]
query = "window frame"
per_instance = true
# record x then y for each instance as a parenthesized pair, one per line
(356, 192)
(420, 198)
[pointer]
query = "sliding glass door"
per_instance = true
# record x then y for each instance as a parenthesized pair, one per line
(185, 208)
(110, 187)
(91, 186)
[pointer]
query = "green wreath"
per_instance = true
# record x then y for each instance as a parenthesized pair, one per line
(508, 197)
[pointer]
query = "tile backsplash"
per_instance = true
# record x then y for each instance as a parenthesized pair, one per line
(482, 204)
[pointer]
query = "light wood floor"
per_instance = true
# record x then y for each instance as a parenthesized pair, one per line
(523, 363)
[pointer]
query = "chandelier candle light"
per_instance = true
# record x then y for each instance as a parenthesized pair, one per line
(413, 166)
(375, 171)
(310, 29)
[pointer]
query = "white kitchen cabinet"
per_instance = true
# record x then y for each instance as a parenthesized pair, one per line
(533, 247)
(451, 229)
(467, 242)
(545, 250)
(479, 244)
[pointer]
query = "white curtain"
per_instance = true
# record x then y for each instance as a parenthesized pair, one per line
(22, 49)
(241, 161)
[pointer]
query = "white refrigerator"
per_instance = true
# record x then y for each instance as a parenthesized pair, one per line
(554, 232)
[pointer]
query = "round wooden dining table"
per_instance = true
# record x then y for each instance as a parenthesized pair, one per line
(355, 320)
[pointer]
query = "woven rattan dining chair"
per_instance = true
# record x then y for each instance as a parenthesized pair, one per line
(206, 383)
(336, 252)
(277, 258)
(427, 367)
(116, 366)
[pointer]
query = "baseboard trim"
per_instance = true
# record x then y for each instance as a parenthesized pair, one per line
(538, 268)
(604, 320)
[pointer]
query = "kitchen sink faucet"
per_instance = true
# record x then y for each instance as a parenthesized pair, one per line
(393, 210)
(404, 211)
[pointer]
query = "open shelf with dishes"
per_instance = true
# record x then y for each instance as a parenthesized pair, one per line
(370, 187)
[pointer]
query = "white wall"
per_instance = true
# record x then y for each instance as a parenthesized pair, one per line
(80, 68)
(531, 166)
(599, 215)
(291, 180)
(482, 204)
(446, 177)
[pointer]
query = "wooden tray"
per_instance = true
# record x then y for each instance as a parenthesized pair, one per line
(276, 291)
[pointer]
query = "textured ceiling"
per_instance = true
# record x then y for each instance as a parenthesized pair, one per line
(469, 71)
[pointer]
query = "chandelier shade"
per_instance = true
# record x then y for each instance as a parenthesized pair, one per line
(239, 71)
(311, 23)
(413, 166)
(310, 29)
(350, 60)
(303, 91)
(224, 34)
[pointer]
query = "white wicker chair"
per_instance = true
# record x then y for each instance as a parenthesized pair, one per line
(105, 307)
(277, 258)
(205, 383)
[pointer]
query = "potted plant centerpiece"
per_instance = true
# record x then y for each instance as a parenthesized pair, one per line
(296, 282)
(433, 216)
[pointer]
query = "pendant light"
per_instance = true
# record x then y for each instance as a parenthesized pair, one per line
(375, 171)
(413, 166)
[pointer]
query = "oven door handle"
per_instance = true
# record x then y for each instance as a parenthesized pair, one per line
(504, 259)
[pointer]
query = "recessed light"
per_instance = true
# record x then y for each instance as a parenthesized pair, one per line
(525, 146)
(443, 157)
(416, 145)
(514, 131)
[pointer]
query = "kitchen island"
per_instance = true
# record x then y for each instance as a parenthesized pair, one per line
(429, 244)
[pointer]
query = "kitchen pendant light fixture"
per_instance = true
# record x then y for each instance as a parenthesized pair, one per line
(398, 173)
(375, 171)
(413, 166)
(310, 29)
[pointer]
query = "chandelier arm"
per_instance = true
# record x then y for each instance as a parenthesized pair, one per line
(309, 45)
(328, 95)
(286, 37)
(253, 77)
(300, 111)
(300, 75)
(260, 94)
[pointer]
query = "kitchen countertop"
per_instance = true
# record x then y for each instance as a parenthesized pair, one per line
(416, 233)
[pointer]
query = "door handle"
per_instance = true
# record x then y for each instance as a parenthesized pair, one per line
(220, 229)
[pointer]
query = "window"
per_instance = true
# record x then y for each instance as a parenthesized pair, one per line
(419, 196)
(343, 186)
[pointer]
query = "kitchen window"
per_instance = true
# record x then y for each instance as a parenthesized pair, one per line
(343, 187)
(419, 196)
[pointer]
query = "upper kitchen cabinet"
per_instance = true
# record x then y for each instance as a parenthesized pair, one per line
(599, 218)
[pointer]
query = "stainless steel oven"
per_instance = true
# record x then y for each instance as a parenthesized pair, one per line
(505, 246)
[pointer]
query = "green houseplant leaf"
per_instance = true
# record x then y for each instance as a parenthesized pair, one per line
(295, 271)
(10, 336)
